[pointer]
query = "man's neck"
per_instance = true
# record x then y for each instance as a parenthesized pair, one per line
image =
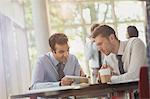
(116, 46)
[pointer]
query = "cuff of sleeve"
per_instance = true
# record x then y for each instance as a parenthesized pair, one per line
(45, 85)
(57, 84)
(114, 79)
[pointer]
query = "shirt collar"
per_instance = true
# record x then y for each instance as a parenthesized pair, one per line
(54, 60)
(122, 47)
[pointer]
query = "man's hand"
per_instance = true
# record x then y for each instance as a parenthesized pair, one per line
(82, 74)
(111, 69)
(66, 81)
(107, 66)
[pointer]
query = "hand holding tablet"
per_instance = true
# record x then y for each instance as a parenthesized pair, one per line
(78, 79)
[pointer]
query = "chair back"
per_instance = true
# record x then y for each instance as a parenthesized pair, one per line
(144, 92)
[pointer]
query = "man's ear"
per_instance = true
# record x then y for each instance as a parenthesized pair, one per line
(112, 37)
(53, 51)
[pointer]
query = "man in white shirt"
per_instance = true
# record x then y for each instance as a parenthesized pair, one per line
(132, 52)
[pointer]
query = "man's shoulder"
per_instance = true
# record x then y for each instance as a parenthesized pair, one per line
(71, 56)
(135, 40)
(43, 57)
(72, 61)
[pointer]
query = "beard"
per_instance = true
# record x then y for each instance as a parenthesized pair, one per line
(63, 60)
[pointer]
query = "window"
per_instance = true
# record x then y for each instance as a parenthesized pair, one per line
(75, 17)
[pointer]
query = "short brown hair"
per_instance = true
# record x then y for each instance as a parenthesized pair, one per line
(94, 26)
(104, 30)
(57, 38)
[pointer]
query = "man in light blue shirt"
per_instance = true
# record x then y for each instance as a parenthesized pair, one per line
(94, 56)
(47, 74)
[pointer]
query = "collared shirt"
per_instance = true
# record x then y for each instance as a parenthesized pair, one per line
(92, 54)
(133, 54)
(122, 47)
(45, 74)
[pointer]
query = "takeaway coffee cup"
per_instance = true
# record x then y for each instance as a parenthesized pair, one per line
(104, 75)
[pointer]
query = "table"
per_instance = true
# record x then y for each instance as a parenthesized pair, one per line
(79, 91)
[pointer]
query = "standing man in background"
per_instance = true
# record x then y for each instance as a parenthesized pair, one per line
(93, 55)
(132, 31)
(52, 67)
